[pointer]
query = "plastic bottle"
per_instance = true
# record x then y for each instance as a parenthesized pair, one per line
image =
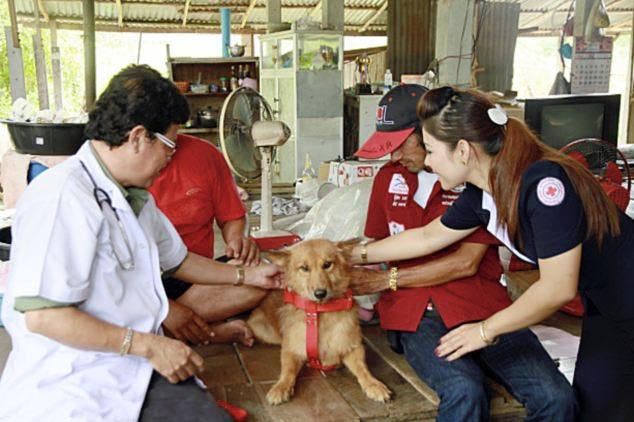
(233, 81)
(309, 171)
(387, 81)
(307, 186)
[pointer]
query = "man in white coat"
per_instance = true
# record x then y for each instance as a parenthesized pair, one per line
(85, 302)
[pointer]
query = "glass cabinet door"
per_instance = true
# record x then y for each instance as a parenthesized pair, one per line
(285, 48)
(269, 54)
(319, 52)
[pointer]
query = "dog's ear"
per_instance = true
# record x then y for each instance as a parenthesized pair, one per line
(279, 257)
(346, 246)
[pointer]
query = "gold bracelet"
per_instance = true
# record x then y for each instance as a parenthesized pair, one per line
(484, 337)
(393, 280)
(127, 342)
(364, 252)
(239, 276)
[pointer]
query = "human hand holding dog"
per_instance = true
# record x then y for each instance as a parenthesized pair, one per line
(186, 325)
(264, 276)
(171, 358)
(365, 281)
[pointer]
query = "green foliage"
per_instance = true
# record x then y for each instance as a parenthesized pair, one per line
(72, 66)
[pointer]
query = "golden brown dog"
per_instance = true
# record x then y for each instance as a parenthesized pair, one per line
(317, 270)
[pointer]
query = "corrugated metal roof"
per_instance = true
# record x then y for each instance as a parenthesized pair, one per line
(537, 17)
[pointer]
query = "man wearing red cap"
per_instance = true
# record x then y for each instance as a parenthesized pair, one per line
(426, 297)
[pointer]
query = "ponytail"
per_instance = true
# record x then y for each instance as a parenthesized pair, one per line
(520, 149)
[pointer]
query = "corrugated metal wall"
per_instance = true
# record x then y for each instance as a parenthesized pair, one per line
(496, 45)
(411, 28)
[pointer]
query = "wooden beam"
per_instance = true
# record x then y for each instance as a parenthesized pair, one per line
(56, 66)
(119, 13)
(273, 15)
(89, 53)
(315, 9)
(582, 10)
(40, 61)
(138, 50)
(375, 16)
(14, 24)
(103, 25)
(187, 2)
(332, 15)
(245, 17)
(16, 68)
(40, 5)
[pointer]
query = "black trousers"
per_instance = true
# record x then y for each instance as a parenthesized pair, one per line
(184, 401)
(604, 373)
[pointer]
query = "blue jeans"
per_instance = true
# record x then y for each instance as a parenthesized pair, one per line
(518, 362)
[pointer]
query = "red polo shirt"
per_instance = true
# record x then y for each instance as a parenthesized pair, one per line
(396, 204)
(194, 189)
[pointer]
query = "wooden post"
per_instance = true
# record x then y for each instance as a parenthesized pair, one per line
(40, 60)
(274, 15)
(14, 24)
(138, 51)
(16, 67)
(56, 66)
(89, 53)
(582, 10)
(332, 15)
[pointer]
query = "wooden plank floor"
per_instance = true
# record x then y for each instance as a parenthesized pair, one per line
(243, 376)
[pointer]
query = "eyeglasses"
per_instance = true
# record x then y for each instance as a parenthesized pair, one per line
(118, 237)
(167, 141)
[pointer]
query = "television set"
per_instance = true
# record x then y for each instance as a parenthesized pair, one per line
(561, 119)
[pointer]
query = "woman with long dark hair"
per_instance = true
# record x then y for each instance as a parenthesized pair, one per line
(547, 209)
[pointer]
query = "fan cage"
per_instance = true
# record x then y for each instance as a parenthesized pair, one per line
(598, 154)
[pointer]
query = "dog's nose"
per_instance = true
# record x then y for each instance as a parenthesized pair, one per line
(320, 293)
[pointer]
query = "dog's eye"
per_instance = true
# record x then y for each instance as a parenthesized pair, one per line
(326, 265)
(304, 268)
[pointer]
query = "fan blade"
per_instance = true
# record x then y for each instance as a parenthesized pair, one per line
(243, 110)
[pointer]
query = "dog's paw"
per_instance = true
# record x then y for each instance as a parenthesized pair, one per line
(279, 394)
(377, 391)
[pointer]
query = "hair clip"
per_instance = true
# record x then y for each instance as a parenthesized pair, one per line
(497, 115)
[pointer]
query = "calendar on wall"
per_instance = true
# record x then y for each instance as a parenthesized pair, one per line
(591, 63)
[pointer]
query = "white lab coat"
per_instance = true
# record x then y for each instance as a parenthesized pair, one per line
(61, 251)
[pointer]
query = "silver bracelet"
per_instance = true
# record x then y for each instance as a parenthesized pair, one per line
(127, 342)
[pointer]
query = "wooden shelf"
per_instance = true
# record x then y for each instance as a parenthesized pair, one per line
(207, 94)
(194, 130)
(213, 60)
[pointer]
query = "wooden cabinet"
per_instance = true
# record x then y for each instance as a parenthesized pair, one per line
(301, 78)
(209, 70)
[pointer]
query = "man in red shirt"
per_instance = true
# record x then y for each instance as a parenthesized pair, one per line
(426, 297)
(193, 191)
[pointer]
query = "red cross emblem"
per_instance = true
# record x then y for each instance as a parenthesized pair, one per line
(550, 191)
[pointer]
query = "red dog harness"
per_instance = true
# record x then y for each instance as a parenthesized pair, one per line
(312, 310)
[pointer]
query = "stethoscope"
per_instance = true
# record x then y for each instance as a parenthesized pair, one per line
(118, 238)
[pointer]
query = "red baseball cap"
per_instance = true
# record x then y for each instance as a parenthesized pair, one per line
(396, 119)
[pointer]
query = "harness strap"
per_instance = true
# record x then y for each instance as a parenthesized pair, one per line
(312, 310)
